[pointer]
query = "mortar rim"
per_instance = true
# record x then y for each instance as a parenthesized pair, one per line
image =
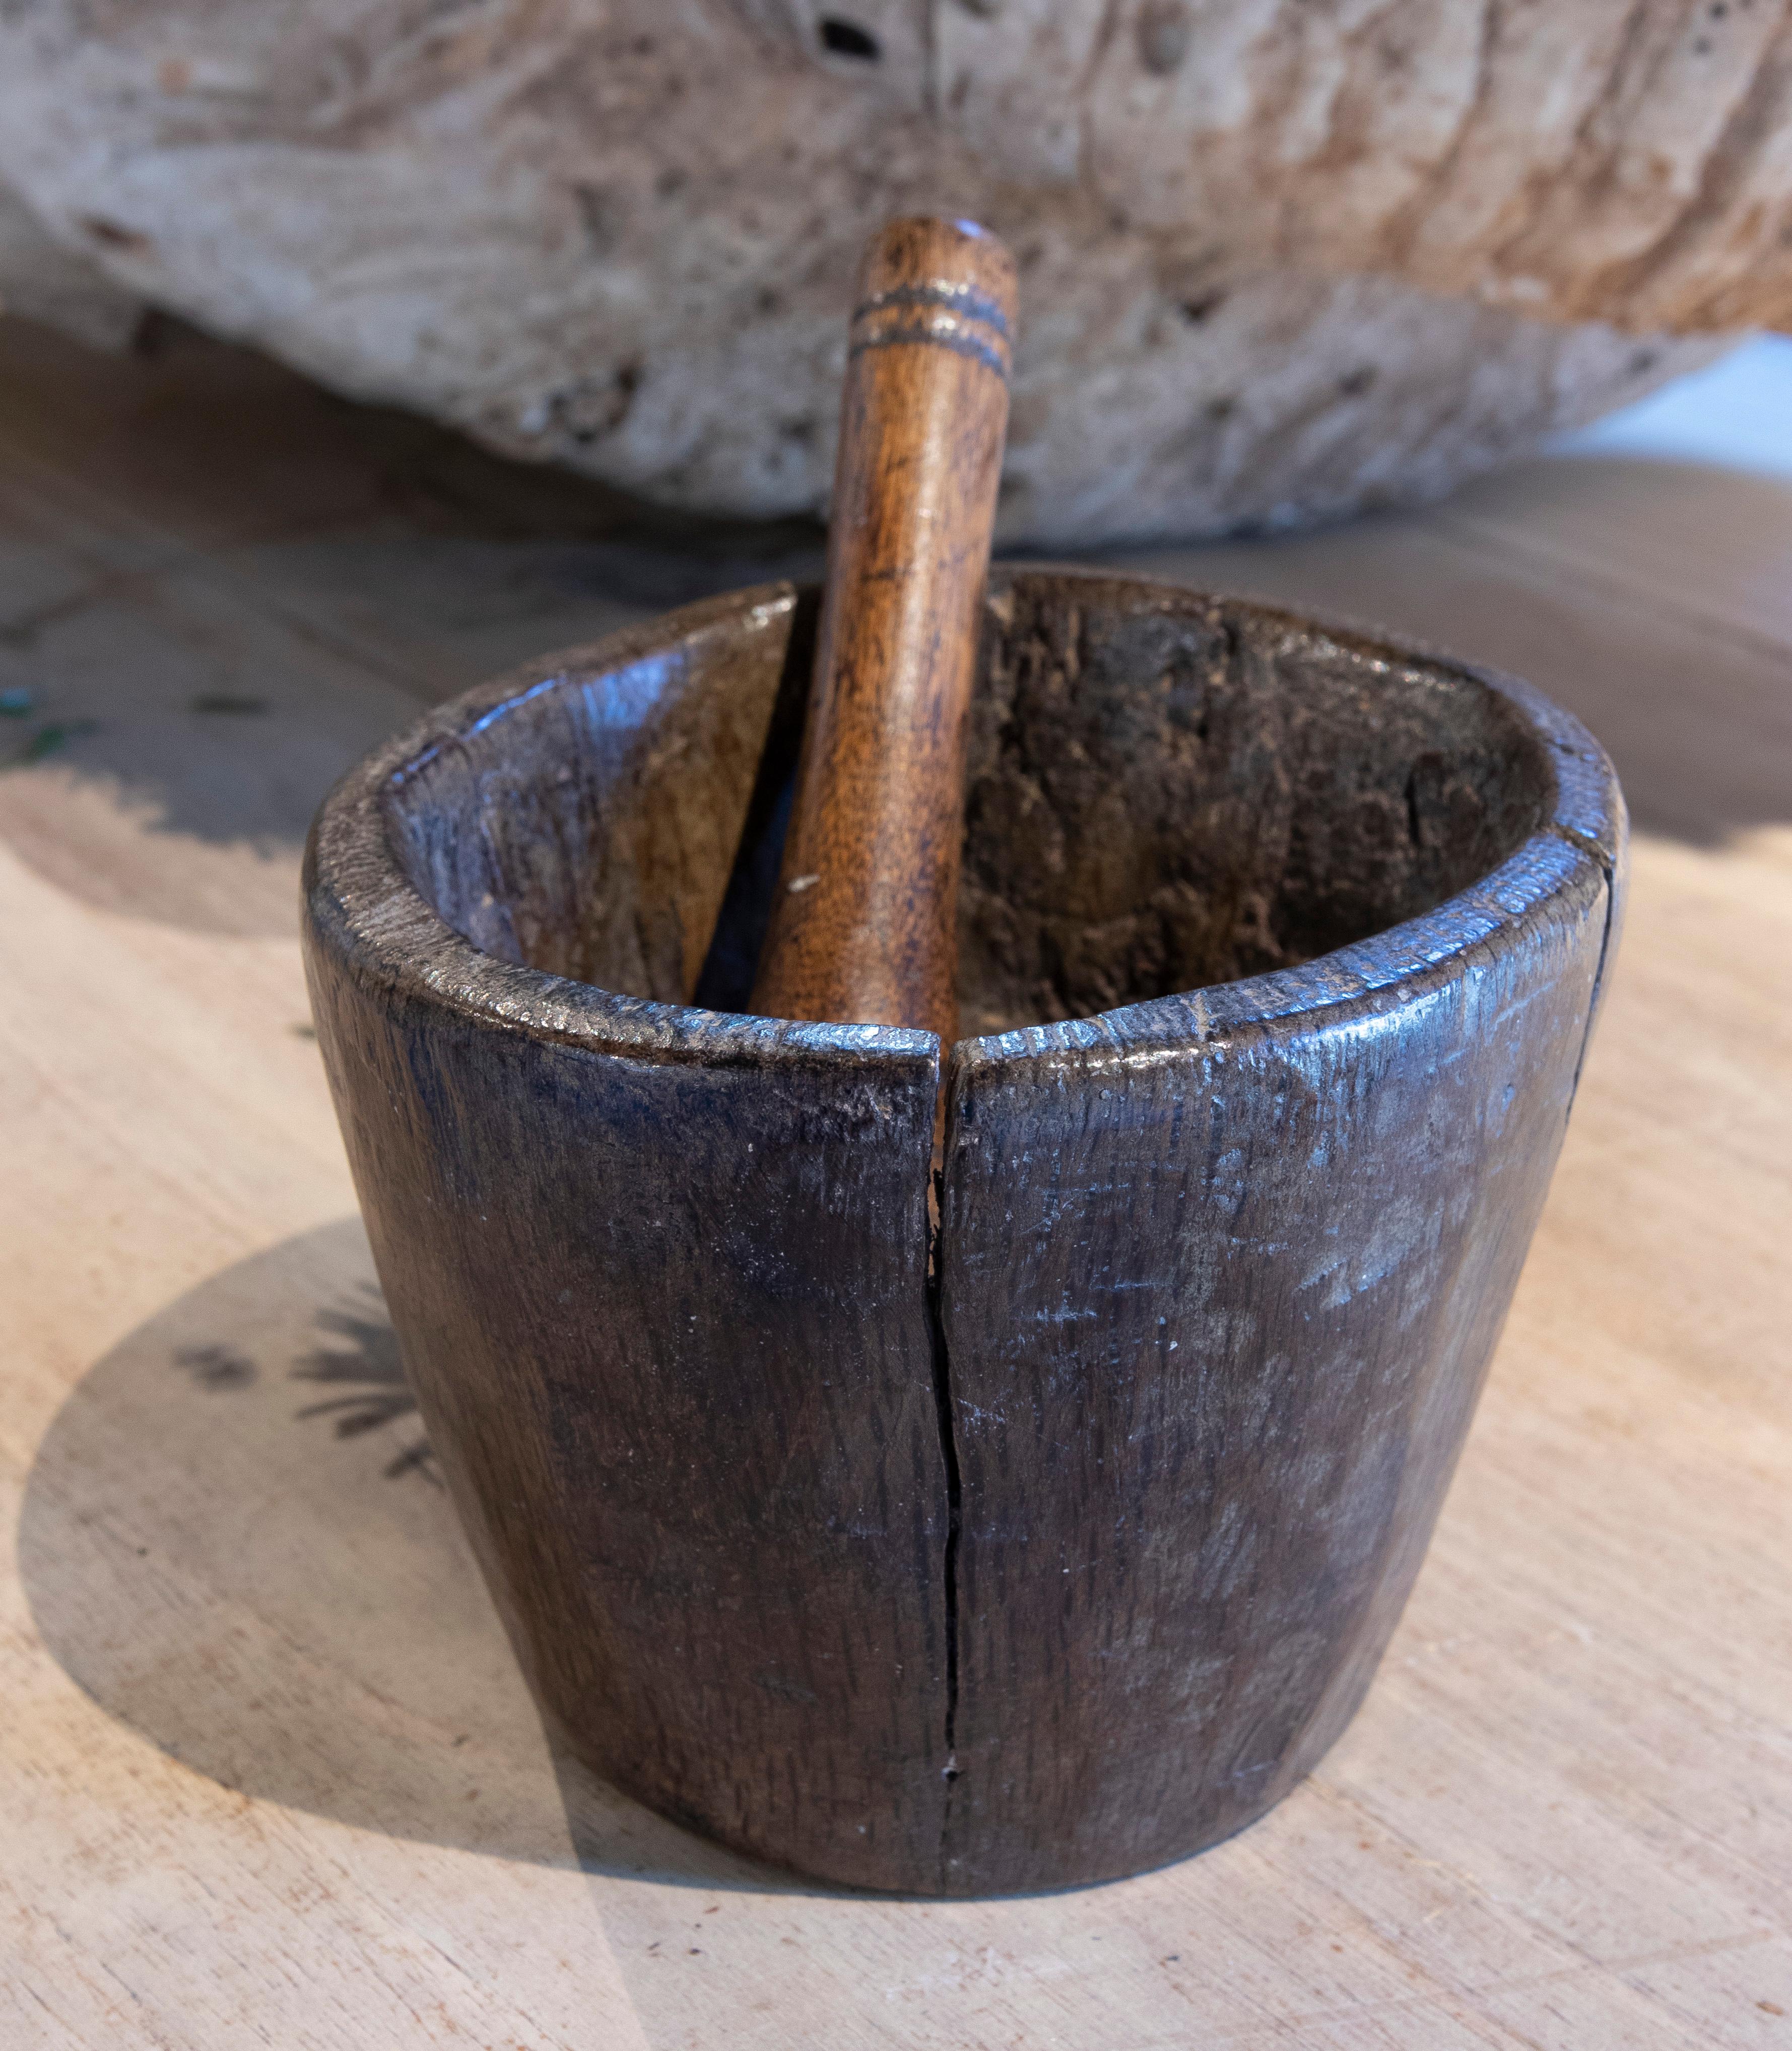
(357, 899)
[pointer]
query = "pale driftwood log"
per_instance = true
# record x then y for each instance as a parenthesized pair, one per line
(921, 1561)
(622, 236)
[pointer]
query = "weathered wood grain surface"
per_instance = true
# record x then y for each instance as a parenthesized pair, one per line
(662, 1280)
(266, 1770)
(1222, 1271)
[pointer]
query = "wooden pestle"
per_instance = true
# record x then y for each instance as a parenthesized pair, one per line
(863, 924)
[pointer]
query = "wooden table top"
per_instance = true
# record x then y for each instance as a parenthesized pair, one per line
(267, 1772)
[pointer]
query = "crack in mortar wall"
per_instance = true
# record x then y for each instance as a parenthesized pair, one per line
(1608, 868)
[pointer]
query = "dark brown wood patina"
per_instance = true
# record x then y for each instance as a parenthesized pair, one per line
(1283, 944)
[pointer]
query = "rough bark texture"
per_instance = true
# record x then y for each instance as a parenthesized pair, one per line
(1062, 1538)
(1279, 261)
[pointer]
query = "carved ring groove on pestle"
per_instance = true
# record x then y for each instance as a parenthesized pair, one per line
(953, 317)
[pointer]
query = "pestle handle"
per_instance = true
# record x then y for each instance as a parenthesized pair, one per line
(863, 923)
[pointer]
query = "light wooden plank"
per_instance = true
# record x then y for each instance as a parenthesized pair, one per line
(267, 1772)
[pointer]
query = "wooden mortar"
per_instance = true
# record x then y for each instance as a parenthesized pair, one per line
(1279, 947)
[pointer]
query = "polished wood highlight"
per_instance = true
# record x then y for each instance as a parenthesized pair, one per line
(864, 925)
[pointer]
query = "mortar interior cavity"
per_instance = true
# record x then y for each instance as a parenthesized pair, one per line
(1165, 791)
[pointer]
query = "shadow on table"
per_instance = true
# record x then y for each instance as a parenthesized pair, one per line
(234, 1540)
(239, 583)
(320, 570)
(1647, 597)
